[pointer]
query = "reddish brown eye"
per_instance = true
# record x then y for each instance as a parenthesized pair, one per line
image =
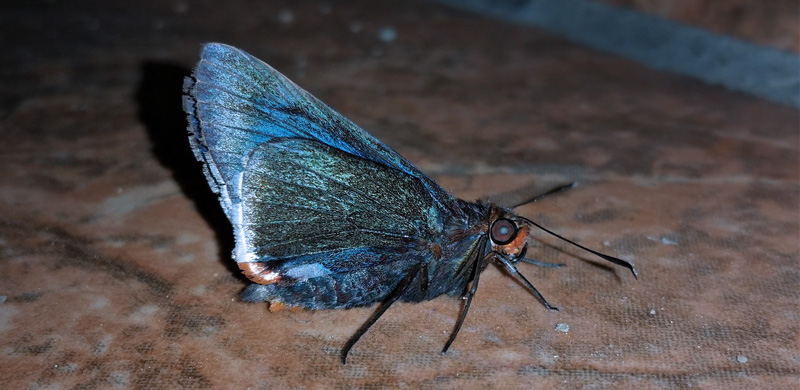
(503, 231)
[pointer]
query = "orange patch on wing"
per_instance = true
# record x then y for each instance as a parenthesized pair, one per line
(259, 273)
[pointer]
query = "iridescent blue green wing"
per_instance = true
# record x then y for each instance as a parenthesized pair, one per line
(236, 102)
(309, 211)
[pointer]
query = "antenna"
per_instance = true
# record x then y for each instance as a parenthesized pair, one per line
(612, 259)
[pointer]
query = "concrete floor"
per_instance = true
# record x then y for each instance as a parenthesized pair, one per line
(115, 255)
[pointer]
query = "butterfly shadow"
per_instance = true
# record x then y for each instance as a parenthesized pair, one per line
(159, 98)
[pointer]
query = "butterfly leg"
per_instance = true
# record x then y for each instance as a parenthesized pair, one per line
(476, 274)
(522, 258)
(543, 263)
(513, 270)
(554, 191)
(398, 291)
(545, 194)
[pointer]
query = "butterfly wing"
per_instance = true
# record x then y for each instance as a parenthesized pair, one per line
(303, 201)
(316, 220)
(314, 200)
(236, 102)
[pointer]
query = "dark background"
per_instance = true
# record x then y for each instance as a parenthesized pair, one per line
(115, 255)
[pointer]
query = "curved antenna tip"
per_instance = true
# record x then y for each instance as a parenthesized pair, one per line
(604, 256)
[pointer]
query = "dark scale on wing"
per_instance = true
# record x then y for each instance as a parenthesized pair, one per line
(303, 197)
(341, 290)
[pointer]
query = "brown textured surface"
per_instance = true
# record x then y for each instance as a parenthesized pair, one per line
(115, 267)
(765, 22)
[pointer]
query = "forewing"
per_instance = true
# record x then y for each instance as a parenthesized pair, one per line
(308, 209)
(236, 102)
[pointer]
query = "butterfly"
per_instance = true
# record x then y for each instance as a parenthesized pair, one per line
(326, 216)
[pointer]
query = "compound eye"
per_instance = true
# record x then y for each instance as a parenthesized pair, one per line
(503, 231)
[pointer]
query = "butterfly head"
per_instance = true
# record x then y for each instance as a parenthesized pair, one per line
(509, 237)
